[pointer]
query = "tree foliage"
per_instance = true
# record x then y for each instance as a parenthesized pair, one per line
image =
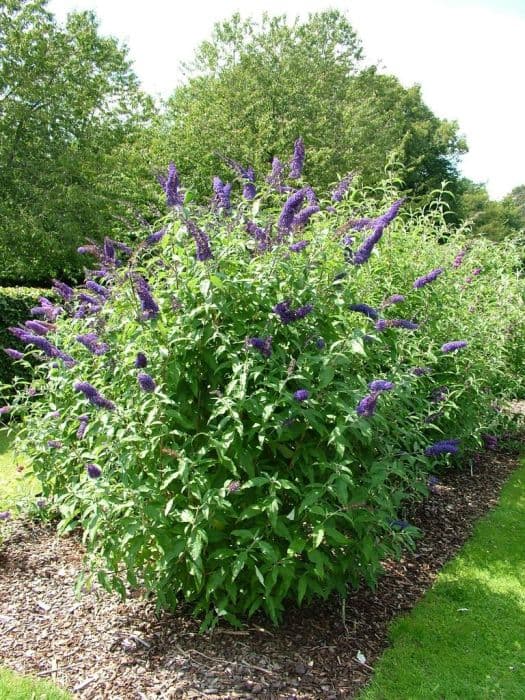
(492, 219)
(252, 89)
(69, 103)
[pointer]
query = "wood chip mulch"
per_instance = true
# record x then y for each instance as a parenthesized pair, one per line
(100, 647)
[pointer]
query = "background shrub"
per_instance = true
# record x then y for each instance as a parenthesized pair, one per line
(229, 423)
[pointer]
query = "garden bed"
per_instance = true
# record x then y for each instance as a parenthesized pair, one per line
(101, 647)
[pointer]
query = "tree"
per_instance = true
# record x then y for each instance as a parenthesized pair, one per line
(252, 90)
(490, 218)
(69, 103)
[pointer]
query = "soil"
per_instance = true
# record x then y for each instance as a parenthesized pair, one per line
(100, 647)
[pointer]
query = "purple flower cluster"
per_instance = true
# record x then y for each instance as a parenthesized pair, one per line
(202, 242)
(342, 187)
(297, 247)
(146, 382)
(297, 162)
(4, 410)
(459, 258)
(439, 394)
(233, 486)
(264, 345)
(63, 290)
(222, 191)
(378, 226)
(38, 327)
(366, 310)
(290, 209)
(148, 304)
(261, 235)
(394, 299)
(92, 342)
(14, 354)
(170, 185)
(42, 344)
(454, 345)
(82, 426)
(141, 361)
(54, 444)
(428, 278)
(46, 309)
(287, 314)
(301, 395)
(367, 406)
(276, 176)
(155, 238)
(97, 288)
(5, 515)
(442, 447)
(94, 472)
(378, 385)
(383, 324)
(93, 396)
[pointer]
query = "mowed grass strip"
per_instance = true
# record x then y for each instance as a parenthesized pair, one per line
(14, 487)
(14, 687)
(466, 638)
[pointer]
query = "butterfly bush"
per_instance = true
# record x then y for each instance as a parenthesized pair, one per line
(238, 429)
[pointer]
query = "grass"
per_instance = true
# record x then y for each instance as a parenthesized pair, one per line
(466, 638)
(13, 488)
(14, 687)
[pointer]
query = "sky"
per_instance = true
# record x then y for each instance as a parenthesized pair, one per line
(467, 55)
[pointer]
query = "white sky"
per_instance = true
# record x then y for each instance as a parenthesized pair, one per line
(468, 56)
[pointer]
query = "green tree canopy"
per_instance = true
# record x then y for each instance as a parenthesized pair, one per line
(69, 104)
(491, 218)
(254, 88)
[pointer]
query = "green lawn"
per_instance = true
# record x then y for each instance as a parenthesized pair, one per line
(14, 687)
(466, 638)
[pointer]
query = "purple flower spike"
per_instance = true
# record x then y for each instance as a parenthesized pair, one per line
(222, 193)
(4, 410)
(264, 345)
(170, 185)
(202, 242)
(442, 447)
(141, 360)
(290, 209)
(261, 235)
(297, 162)
(155, 238)
(92, 342)
(303, 311)
(428, 278)
(364, 309)
(378, 226)
(97, 289)
(38, 327)
(276, 176)
(63, 290)
(320, 343)
(5, 515)
(342, 187)
(148, 304)
(301, 395)
(401, 524)
(302, 218)
(454, 345)
(146, 382)
(394, 299)
(297, 247)
(459, 258)
(83, 424)
(93, 396)
(284, 311)
(14, 354)
(380, 385)
(94, 472)
(55, 444)
(367, 406)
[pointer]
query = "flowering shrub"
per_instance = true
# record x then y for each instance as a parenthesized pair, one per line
(237, 410)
